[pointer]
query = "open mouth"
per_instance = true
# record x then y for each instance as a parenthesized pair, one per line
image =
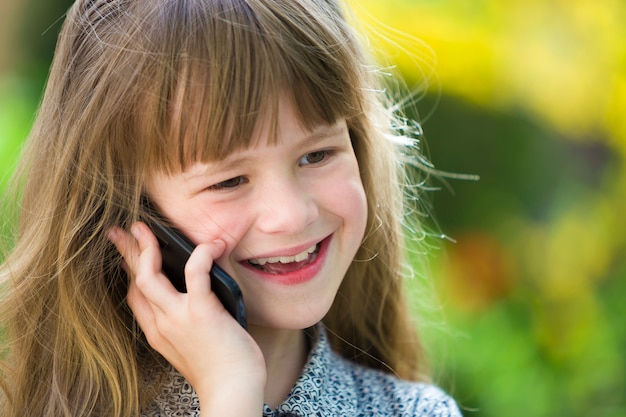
(284, 264)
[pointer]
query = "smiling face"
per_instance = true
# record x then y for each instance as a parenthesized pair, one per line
(291, 211)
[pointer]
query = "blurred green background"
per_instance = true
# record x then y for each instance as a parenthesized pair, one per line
(531, 96)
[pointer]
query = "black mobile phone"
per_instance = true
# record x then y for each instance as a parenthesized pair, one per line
(175, 251)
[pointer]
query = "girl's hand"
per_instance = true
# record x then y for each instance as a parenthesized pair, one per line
(193, 331)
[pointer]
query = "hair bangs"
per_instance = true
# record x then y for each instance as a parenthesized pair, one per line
(224, 79)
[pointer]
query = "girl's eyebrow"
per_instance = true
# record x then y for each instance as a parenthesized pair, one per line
(323, 132)
(234, 161)
(215, 167)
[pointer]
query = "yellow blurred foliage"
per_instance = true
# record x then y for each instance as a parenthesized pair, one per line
(562, 61)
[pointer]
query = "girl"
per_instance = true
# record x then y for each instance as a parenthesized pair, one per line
(257, 128)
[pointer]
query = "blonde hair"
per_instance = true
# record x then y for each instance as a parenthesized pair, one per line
(145, 85)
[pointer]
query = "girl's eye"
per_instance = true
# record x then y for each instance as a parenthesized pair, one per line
(229, 183)
(314, 157)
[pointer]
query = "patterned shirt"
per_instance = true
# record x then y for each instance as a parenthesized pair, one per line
(329, 386)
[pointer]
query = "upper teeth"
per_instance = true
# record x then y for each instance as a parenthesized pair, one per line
(285, 259)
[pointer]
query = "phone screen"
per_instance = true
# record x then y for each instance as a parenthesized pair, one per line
(175, 251)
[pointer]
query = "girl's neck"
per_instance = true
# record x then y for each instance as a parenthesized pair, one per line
(285, 353)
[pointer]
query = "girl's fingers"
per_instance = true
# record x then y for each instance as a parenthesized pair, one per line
(142, 257)
(148, 287)
(198, 266)
(151, 297)
(149, 253)
(125, 245)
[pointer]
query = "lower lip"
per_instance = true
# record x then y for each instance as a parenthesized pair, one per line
(300, 276)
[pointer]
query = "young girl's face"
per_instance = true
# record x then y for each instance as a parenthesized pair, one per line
(292, 214)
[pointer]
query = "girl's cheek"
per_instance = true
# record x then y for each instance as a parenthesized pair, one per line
(229, 224)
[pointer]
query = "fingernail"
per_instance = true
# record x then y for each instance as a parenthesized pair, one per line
(112, 235)
(136, 231)
(220, 246)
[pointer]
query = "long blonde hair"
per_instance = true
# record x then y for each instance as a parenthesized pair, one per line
(138, 86)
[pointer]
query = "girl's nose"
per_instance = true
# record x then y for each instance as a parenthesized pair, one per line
(286, 206)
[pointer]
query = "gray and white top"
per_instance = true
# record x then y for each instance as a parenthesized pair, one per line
(329, 386)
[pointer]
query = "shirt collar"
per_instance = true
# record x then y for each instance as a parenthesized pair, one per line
(314, 392)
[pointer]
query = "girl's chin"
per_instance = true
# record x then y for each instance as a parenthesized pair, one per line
(297, 319)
